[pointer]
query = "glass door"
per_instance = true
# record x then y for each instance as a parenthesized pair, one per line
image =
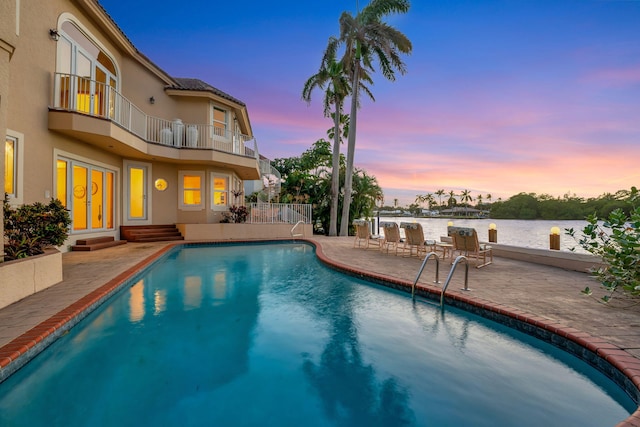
(137, 185)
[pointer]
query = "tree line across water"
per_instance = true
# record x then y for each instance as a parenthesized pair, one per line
(528, 205)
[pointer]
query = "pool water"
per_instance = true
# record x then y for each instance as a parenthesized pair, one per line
(265, 335)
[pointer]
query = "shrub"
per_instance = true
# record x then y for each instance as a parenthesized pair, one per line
(29, 229)
(617, 241)
(236, 214)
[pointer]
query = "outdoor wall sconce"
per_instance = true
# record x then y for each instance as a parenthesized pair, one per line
(55, 36)
(152, 100)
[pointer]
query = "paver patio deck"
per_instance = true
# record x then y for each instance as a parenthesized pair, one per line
(547, 293)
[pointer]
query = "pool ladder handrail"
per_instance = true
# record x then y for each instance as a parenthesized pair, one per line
(294, 227)
(446, 283)
(424, 263)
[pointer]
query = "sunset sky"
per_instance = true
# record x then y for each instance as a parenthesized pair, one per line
(500, 97)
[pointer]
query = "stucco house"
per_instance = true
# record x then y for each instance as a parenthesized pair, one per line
(90, 120)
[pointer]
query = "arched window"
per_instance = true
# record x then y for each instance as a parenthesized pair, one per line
(86, 78)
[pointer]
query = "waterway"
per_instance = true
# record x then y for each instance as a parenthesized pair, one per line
(515, 232)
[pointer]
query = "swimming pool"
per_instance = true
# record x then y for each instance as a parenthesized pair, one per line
(265, 335)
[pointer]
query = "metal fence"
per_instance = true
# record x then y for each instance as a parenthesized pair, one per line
(279, 213)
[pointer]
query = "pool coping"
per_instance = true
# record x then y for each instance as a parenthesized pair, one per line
(617, 364)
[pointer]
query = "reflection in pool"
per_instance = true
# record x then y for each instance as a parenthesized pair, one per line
(266, 335)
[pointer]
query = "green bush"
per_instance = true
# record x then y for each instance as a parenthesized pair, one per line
(617, 241)
(29, 229)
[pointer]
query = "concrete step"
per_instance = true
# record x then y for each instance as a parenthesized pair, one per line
(96, 246)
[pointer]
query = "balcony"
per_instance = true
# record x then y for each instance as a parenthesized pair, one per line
(97, 114)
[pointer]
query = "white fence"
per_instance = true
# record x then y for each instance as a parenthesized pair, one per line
(272, 213)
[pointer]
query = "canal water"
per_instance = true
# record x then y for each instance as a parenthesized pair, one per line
(515, 232)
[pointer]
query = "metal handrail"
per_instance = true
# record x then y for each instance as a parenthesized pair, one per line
(294, 227)
(424, 263)
(453, 268)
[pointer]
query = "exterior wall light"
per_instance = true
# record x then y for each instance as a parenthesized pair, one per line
(54, 34)
(152, 100)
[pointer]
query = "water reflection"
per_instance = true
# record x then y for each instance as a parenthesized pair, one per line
(350, 391)
(457, 331)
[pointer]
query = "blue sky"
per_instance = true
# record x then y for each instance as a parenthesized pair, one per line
(500, 97)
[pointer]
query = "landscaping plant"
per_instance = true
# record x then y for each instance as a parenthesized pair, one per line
(29, 229)
(616, 239)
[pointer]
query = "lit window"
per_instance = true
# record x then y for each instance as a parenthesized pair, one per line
(191, 191)
(220, 185)
(10, 166)
(13, 166)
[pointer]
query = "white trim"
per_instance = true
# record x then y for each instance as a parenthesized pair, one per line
(203, 190)
(18, 197)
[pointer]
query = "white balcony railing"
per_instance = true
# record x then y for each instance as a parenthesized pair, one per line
(272, 213)
(82, 95)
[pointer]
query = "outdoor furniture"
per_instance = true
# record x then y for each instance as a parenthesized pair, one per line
(465, 242)
(414, 239)
(391, 238)
(363, 235)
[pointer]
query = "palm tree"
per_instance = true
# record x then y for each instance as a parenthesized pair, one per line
(366, 38)
(488, 198)
(465, 196)
(332, 74)
(479, 201)
(440, 193)
(452, 199)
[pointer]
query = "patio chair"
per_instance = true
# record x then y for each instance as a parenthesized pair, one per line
(363, 235)
(414, 239)
(391, 238)
(465, 242)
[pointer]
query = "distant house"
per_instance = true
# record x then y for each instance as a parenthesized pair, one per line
(461, 211)
(90, 120)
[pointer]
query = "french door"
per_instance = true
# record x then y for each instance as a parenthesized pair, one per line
(88, 191)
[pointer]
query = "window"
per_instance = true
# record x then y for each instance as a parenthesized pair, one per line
(220, 122)
(220, 188)
(10, 166)
(87, 79)
(13, 160)
(191, 183)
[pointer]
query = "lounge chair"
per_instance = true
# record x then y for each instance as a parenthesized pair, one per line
(414, 239)
(391, 238)
(363, 235)
(465, 242)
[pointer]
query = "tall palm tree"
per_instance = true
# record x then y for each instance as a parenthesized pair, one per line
(366, 38)
(331, 74)
(465, 196)
(488, 198)
(479, 201)
(440, 193)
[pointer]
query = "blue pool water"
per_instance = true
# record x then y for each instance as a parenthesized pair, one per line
(265, 335)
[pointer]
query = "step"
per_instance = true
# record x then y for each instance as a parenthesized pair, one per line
(157, 239)
(96, 246)
(95, 240)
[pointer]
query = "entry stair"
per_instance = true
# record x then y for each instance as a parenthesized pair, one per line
(96, 243)
(150, 233)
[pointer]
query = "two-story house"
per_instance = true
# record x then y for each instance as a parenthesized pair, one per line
(90, 120)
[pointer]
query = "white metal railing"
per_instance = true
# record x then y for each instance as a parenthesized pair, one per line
(79, 94)
(272, 213)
